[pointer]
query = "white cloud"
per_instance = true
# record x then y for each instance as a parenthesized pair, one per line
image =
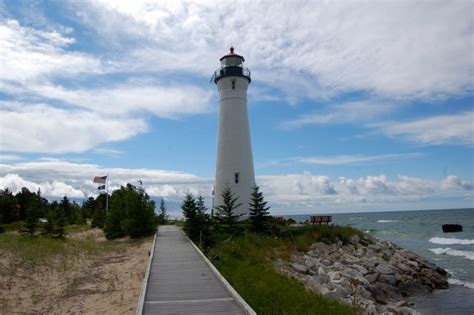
(9, 157)
(442, 129)
(350, 112)
(396, 49)
(42, 128)
(30, 54)
(290, 193)
(354, 159)
(133, 97)
(54, 188)
(454, 182)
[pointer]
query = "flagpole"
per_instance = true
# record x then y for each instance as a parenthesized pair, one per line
(107, 192)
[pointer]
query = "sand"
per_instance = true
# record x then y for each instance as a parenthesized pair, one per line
(107, 282)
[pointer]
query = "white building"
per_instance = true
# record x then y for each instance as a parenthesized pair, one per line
(234, 150)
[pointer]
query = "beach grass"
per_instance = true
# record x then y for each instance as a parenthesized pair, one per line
(247, 263)
(40, 250)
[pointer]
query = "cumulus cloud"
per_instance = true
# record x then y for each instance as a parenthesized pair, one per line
(54, 188)
(454, 182)
(286, 193)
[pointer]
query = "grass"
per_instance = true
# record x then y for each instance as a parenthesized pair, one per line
(247, 263)
(36, 250)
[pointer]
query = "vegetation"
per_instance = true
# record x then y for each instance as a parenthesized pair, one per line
(225, 215)
(245, 256)
(246, 262)
(259, 215)
(162, 216)
(132, 213)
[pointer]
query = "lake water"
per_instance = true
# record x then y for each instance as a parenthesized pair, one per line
(420, 231)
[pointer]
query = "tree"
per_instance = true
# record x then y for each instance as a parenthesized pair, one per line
(162, 217)
(140, 212)
(98, 214)
(24, 198)
(59, 221)
(203, 223)
(131, 212)
(190, 213)
(8, 202)
(31, 220)
(259, 214)
(66, 207)
(225, 214)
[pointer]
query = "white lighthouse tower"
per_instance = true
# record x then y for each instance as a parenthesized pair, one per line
(234, 151)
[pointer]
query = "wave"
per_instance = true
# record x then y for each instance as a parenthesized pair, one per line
(466, 284)
(386, 221)
(451, 241)
(356, 218)
(453, 252)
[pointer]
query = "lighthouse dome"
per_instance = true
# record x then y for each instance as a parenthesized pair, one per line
(231, 59)
(231, 65)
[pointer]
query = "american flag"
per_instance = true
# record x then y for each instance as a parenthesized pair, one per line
(100, 179)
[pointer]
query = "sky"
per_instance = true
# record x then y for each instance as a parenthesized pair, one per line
(353, 106)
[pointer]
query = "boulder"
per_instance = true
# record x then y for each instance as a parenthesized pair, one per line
(354, 239)
(412, 288)
(389, 279)
(299, 268)
(384, 269)
(360, 269)
(334, 275)
(372, 277)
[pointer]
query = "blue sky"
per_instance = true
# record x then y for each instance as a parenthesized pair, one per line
(359, 106)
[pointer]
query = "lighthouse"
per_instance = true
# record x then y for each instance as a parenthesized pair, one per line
(234, 167)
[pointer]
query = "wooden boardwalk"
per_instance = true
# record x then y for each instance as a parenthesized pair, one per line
(180, 281)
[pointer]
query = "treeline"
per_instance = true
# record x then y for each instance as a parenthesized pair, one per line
(205, 227)
(131, 212)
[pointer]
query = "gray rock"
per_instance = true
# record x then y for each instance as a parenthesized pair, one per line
(339, 266)
(403, 267)
(370, 309)
(338, 293)
(321, 271)
(372, 278)
(334, 275)
(354, 239)
(360, 269)
(321, 279)
(350, 259)
(299, 268)
(412, 288)
(387, 279)
(384, 269)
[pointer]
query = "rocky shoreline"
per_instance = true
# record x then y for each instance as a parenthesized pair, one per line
(373, 275)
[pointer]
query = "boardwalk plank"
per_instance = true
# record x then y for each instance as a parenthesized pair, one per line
(181, 282)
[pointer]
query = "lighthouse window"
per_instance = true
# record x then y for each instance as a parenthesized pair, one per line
(233, 84)
(236, 178)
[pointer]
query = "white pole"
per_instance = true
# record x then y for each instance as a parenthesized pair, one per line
(107, 192)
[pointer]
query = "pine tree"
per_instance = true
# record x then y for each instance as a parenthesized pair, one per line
(225, 214)
(203, 223)
(59, 222)
(31, 220)
(162, 217)
(259, 214)
(189, 209)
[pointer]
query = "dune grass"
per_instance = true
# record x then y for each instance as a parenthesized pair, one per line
(56, 253)
(247, 263)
